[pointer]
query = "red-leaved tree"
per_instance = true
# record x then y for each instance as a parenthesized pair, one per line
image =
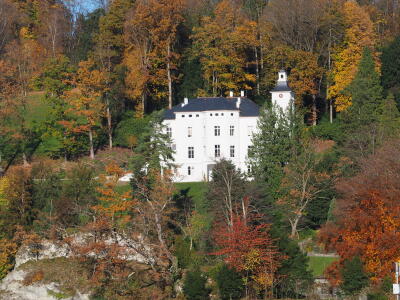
(248, 248)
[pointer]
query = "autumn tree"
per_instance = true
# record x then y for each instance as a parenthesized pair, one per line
(150, 232)
(9, 18)
(248, 248)
(298, 23)
(85, 102)
(359, 33)
(221, 43)
(303, 183)
(151, 33)
(108, 53)
(366, 217)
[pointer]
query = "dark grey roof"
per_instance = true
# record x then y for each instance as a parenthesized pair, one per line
(281, 86)
(247, 107)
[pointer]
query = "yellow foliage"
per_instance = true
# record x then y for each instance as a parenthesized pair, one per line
(359, 33)
(8, 249)
(4, 185)
(221, 43)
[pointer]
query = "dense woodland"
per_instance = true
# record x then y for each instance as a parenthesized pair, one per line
(81, 100)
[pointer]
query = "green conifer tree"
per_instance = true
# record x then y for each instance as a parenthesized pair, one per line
(361, 118)
(391, 68)
(273, 146)
(366, 91)
(354, 277)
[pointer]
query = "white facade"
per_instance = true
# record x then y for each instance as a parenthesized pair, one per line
(200, 139)
(203, 134)
(282, 95)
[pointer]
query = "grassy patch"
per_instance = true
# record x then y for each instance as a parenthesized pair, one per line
(196, 190)
(68, 273)
(123, 188)
(318, 264)
(37, 109)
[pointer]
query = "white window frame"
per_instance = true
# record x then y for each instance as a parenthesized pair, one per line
(190, 131)
(190, 152)
(232, 130)
(217, 151)
(169, 131)
(217, 130)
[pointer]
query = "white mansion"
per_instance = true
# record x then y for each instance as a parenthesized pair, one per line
(205, 130)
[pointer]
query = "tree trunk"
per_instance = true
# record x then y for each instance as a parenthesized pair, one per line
(109, 125)
(257, 71)
(25, 161)
(330, 111)
(314, 110)
(91, 144)
(294, 224)
(169, 76)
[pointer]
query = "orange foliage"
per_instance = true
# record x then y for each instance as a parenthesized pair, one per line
(249, 249)
(113, 205)
(367, 216)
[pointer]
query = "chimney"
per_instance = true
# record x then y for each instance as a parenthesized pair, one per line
(185, 101)
(241, 93)
(231, 94)
(239, 101)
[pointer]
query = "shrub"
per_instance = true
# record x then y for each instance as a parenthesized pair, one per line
(229, 282)
(329, 131)
(129, 129)
(194, 286)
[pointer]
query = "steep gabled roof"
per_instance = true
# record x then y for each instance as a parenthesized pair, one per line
(247, 107)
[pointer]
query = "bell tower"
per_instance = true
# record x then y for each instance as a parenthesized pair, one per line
(282, 95)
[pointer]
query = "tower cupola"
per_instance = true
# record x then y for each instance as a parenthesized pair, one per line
(282, 94)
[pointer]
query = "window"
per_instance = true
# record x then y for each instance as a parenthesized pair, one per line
(191, 152)
(231, 130)
(248, 169)
(183, 116)
(282, 76)
(189, 131)
(217, 151)
(222, 114)
(249, 130)
(216, 114)
(232, 114)
(210, 115)
(190, 170)
(217, 130)
(169, 131)
(197, 116)
(232, 151)
(190, 116)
